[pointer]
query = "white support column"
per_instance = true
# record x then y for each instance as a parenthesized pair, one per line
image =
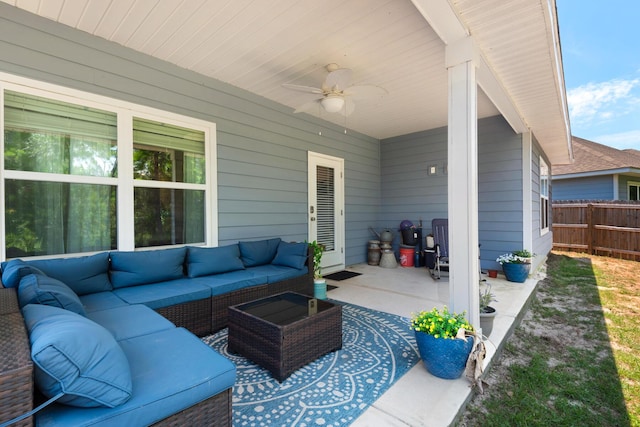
(463, 180)
(527, 191)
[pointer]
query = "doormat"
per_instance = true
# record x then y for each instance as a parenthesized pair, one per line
(377, 349)
(342, 275)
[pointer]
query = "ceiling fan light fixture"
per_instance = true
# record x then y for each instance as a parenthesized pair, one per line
(332, 103)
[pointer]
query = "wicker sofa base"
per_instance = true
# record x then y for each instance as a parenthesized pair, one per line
(194, 316)
(16, 367)
(215, 412)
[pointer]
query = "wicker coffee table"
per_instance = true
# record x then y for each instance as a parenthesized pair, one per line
(282, 333)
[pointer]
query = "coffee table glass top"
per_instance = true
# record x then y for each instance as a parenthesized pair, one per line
(285, 308)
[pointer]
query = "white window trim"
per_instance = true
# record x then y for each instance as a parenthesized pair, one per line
(544, 230)
(629, 184)
(125, 112)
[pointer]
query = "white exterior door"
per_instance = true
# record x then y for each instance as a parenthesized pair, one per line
(326, 208)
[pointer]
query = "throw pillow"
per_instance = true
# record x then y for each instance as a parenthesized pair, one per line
(292, 255)
(84, 275)
(14, 270)
(142, 267)
(205, 261)
(77, 357)
(39, 289)
(258, 252)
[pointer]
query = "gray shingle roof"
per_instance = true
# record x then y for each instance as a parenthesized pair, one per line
(590, 156)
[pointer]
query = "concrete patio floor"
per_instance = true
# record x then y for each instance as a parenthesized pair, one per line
(419, 398)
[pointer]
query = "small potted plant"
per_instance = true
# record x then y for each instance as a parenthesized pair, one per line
(319, 284)
(444, 341)
(516, 265)
(487, 313)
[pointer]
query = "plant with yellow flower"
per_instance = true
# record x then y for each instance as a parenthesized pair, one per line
(440, 323)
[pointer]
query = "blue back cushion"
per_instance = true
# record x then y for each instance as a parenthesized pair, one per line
(77, 357)
(207, 261)
(85, 275)
(259, 252)
(143, 267)
(14, 270)
(291, 255)
(39, 289)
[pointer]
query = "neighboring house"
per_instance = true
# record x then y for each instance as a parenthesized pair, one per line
(142, 126)
(599, 172)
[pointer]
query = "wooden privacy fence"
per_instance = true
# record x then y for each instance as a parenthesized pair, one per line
(598, 228)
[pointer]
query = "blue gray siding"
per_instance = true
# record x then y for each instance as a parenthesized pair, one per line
(262, 146)
(587, 188)
(409, 192)
(499, 190)
(542, 242)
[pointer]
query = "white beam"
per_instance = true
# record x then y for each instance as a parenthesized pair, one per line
(444, 20)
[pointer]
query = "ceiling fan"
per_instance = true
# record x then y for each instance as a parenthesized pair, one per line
(337, 95)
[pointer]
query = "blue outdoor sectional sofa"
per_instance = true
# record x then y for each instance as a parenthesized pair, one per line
(113, 337)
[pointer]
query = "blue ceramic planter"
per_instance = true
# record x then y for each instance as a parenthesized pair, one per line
(443, 358)
(516, 272)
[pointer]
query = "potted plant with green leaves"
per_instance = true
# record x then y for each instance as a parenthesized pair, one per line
(319, 283)
(516, 265)
(487, 313)
(445, 340)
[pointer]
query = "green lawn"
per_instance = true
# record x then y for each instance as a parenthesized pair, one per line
(575, 359)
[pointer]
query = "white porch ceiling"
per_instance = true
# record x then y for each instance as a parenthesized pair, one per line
(258, 45)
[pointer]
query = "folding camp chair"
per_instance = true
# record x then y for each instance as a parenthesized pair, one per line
(440, 250)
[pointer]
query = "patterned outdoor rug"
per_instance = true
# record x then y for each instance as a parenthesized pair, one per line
(377, 349)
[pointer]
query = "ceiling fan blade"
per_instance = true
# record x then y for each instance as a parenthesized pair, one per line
(365, 92)
(308, 107)
(339, 79)
(300, 88)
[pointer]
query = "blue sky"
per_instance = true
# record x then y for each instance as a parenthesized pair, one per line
(601, 56)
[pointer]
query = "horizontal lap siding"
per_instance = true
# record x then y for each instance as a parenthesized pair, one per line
(587, 188)
(499, 190)
(408, 192)
(262, 146)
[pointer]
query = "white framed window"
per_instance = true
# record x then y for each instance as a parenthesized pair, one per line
(82, 173)
(544, 197)
(633, 190)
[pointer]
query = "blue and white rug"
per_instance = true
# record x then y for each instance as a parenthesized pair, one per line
(377, 349)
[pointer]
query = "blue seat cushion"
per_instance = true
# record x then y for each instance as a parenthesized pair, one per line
(164, 294)
(85, 274)
(258, 252)
(292, 255)
(39, 289)
(14, 270)
(206, 261)
(130, 321)
(101, 301)
(143, 267)
(232, 281)
(171, 371)
(77, 357)
(276, 273)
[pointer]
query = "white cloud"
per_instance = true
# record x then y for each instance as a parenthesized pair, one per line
(601, 101)
(621, 140)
